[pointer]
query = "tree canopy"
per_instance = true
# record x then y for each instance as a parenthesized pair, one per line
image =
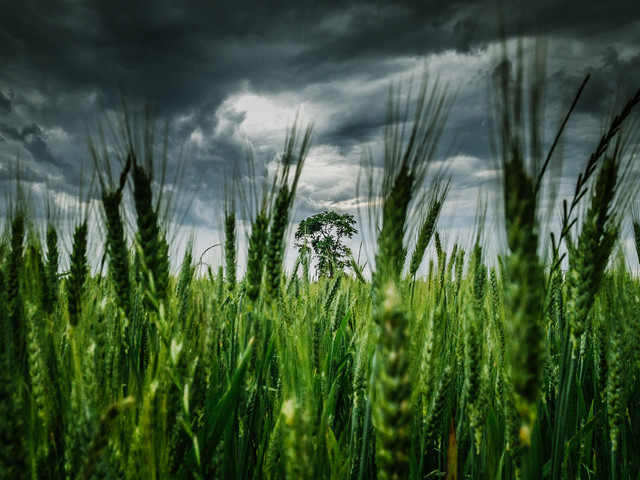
(323, 233)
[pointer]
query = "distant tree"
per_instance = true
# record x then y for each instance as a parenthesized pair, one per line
(323, 233)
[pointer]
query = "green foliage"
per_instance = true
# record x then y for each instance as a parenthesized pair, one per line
(256, 254)
(117, 249)
(16, 332)
(283, 193)
(77, 274)
(50, 283)
(152, 246)
(230, 248)
(14, 456)
(324, 233)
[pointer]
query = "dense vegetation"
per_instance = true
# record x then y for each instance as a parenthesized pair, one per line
(524, 366)
(321, 234)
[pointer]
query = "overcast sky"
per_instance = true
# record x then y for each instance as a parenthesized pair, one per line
(228, 74)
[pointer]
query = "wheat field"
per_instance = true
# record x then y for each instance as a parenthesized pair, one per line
(521, 366)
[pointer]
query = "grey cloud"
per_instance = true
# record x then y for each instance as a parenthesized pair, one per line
(465, 33)
(33, 139)
(34, 142)
(611, 79)
(191, 55)
(8, 132)
(156, 51)
(65, 64)
(5, 103)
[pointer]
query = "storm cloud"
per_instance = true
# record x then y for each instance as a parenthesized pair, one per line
(229, 75)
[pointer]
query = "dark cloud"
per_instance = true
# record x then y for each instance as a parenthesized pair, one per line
(32, 139)
(611, 79)
(466, 33)
(67, 63)
(5, 103)
(8, 132)
(185, 56)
